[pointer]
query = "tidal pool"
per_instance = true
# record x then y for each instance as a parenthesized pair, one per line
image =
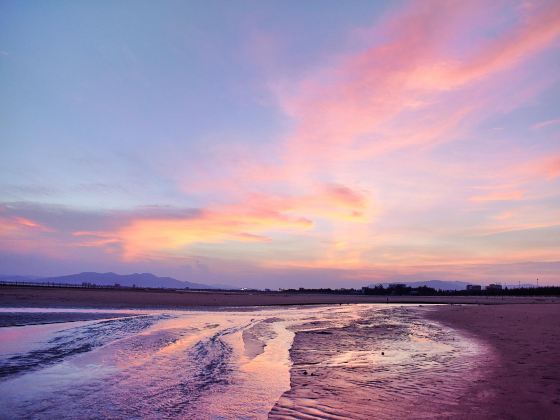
(346, 361)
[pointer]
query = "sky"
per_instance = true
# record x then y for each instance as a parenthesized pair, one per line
(281, 143)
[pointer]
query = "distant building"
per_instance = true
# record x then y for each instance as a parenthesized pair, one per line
(398, 289)
(474, 287)
(494, 286)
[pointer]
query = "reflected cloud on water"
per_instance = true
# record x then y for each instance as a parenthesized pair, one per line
(228, 363)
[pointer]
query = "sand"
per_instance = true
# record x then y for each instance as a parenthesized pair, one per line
(388, 364)
(17, 319)
(524, 380)
(509, 369)
(522, 335)
(144, 299)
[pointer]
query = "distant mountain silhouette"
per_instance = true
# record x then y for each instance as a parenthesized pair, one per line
(434, 284)
(110, 279)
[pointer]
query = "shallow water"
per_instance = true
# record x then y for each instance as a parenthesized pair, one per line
(319, 362)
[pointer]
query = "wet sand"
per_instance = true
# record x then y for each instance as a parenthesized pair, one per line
(146, 299)
(524, 381)
(165, 364)
(391, 363)
(509, 369)
(18, 319)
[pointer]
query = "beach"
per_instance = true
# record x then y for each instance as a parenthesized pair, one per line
(167, 298)
(524, 381)
(280, 210)
(292, 356)
(510, 369)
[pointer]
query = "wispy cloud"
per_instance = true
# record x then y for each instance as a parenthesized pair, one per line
(546, 123)
(499, 196)
(382, 160)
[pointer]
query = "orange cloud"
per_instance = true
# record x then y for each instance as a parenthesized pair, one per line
(252, 220)
(149, 236)
(332, 202)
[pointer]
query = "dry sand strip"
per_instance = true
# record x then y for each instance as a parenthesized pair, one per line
(144, 299)
(524, 383)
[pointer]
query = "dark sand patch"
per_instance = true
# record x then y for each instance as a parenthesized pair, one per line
(16, 319)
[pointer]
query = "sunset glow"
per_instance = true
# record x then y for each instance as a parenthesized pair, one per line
(282, 144)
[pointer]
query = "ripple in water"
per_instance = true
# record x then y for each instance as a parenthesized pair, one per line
(312, 362)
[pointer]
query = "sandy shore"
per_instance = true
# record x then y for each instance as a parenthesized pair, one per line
(143, 299)
(524, 381)
(509, 369)
(388, 364)
(523, 335)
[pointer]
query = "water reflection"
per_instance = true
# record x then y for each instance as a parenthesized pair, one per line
(221, 364)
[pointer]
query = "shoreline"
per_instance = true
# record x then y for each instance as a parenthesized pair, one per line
(516, 375)
(521, 376)
(24, 319)
(20, 297)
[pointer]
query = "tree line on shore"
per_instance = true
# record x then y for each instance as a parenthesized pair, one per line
(404, 290)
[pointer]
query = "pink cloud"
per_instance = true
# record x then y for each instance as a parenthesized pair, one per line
(405, 91)
(547, 123)
(355, 158)
(14, 225)
(499, 196)
(367, 94)
(22, 235)
(552, 167)
(411, 89)
(536, 169)
(95, 239)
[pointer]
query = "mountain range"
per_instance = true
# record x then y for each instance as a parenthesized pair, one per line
(151, 280)
(110, 279)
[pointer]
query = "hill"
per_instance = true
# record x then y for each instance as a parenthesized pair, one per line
(126, 280)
